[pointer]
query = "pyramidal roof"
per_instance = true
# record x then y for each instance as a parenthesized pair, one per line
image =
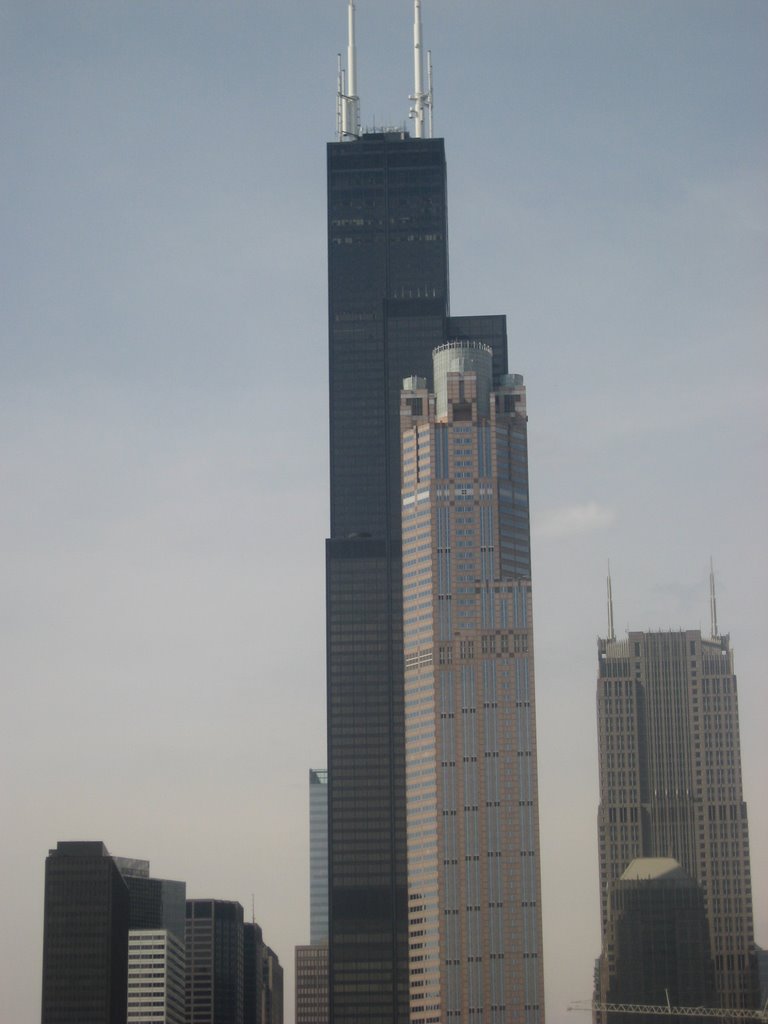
(649, 868)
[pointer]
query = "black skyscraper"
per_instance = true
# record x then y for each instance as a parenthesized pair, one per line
(388, 309)
(85, 942)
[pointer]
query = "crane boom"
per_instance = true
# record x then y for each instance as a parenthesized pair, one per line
(716, 1013)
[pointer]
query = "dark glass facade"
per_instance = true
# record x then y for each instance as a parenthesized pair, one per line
(253, 974)
(273, 988)
(214, 939)
(85, 943)
(157, 903)
(388, 309)
(658, 943)
(388, 299)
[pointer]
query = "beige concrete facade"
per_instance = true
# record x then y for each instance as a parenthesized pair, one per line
(472, 807)
(156, 966)
(312, 984)
(670, 783)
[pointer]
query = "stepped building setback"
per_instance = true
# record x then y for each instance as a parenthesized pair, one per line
(387, 310)
(156, 959)
(121, 947)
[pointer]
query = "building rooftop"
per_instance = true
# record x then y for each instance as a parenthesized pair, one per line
(651, 868)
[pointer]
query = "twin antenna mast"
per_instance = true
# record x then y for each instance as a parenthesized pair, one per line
(713, 630)
(348, 101)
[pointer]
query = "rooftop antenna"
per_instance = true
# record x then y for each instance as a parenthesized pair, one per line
(429, 90)
(347, 100)
(611, 631)
(421, 100)
(340, 99)
(712, 603)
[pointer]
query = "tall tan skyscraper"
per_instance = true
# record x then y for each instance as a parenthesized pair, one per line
(472, 810)
(670, 783)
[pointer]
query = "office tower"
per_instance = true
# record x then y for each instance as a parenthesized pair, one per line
(155, 902)
(473, 846)
(253, 974)
(311, 962)
(156, 958)
(312, 984)
(214, 974)
(762, 974)
(85, 940)
(263, 979)
(658, 940)
(273, 988)
(318, 855)
(387, 310)
(156, 967)
(670, 782)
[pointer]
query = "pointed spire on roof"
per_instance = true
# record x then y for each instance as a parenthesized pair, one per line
(611, 631)
(712, 603)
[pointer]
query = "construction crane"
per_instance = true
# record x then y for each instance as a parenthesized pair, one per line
(673, 1011)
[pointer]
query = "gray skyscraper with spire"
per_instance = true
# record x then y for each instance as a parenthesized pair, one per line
(387, 310)
(670, 781)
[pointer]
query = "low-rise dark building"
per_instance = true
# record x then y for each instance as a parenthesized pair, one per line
(657, 950)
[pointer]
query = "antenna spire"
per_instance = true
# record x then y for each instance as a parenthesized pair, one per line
(422, 99)
(611, 631)
(712, 603)
(430, 92)
(347, 100)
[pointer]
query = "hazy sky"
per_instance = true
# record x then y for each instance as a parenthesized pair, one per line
(163, 405)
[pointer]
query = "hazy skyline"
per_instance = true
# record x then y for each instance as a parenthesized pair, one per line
(163, 413)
